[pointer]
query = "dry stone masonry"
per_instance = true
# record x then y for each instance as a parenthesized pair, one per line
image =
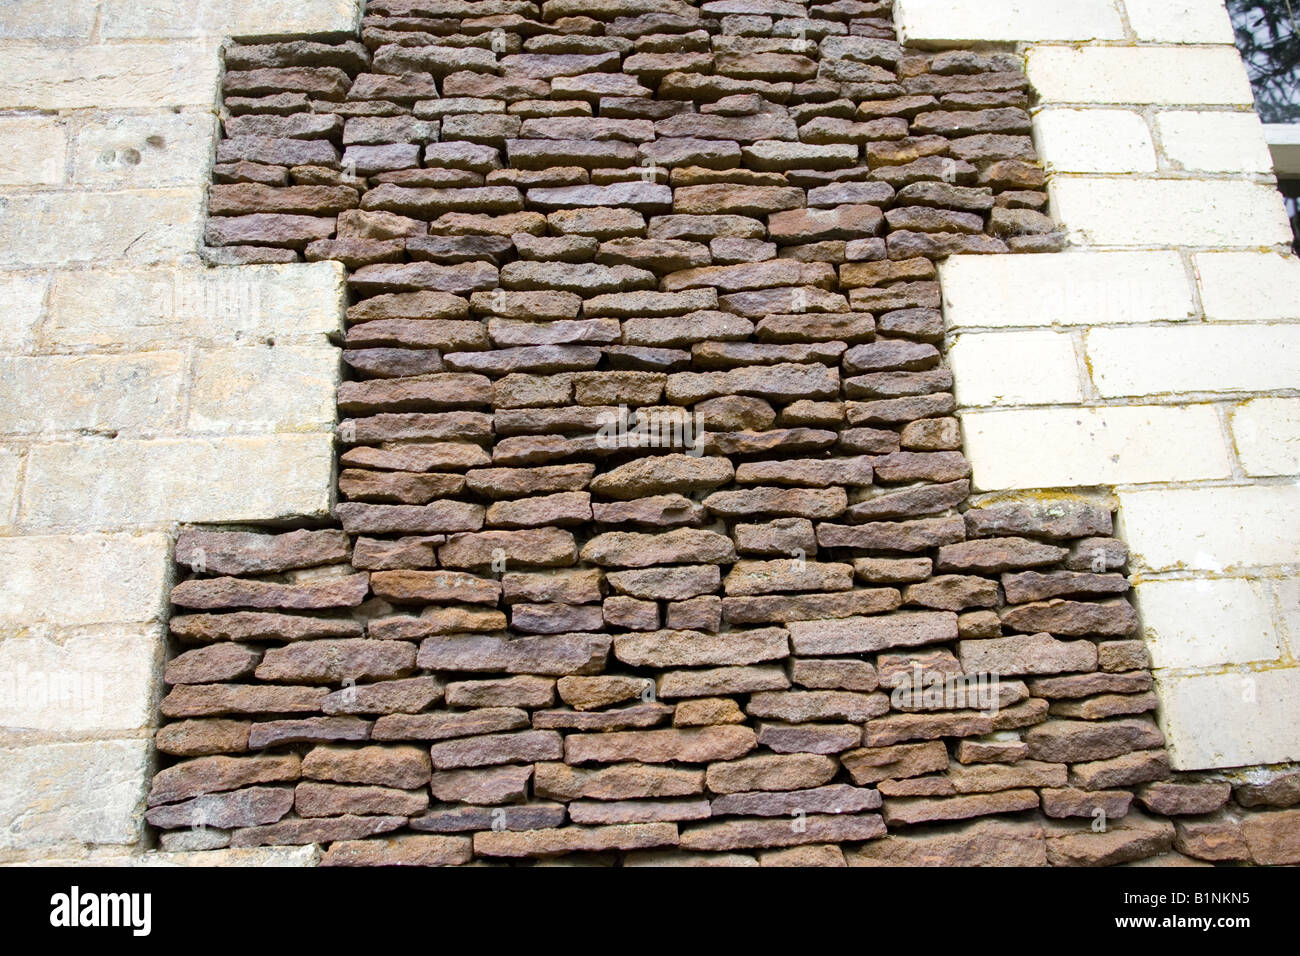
(653, 543)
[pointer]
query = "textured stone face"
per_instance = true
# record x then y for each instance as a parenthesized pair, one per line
(654, 539)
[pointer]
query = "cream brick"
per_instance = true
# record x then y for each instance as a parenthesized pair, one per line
(941, 22)
(24, 299)
(1130, 212)
(1194, 358)
(1206, 623)
(1077, 288)
(187, 18)
(32, 151)
(94, 680)
(1235, 719)
(282, 388)
(139, 150)
(73, 793)
(1094, 141)
(47, 18)
(108, 75)
(67, 227)
(123, 483)
(99, 578)
(1084, 447)
(62, 393)
(1214, 141)
(1164, 75)
(1266, 432)
(1015, 368)
(144, 308)
(1212, 529)
(1179, 21)
(1248, 286)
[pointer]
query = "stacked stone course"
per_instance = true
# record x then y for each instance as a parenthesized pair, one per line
(526, 641)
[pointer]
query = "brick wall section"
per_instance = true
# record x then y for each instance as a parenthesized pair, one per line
(524, 643)
(120, 353)
(1164, 346)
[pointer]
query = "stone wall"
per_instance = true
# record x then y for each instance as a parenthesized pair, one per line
(818, 540)
(1155, 362)
(739, 228)
(141, 388)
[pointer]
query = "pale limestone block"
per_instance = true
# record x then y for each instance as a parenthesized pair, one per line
(261, 389)
(33, 151)
(1094, 141)
(1084, 447)
(56, 228)
(104, 393)
(10, 466)
(1194, 358)
(24, 297)
(109, 75)
(1234, 719)
(1015, 368)
(1214, 141)
(1207, 622)
(23, 19)
(941, 22)
(105, 578)
(89, 680)
(151, 308)
(1266, 432)
(1178, 212)
(133, 151)
(73, 793)
(1180, 21)
(1162, 75)
(1212, 529)
(1248, 286)
(188, 18)
(1076, 288)
(114, 484)
(261, 856)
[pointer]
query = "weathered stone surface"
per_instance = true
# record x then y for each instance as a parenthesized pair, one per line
(442, 725)
(981, 843)
(525, 843)
(200, 738)
(747, 833)
(348, 591)
(217, 662)
(1175, 798)
(696, 745)
(193, 778)
(620, 781)
(330, 799)
(1076, 740)
(865, 634)
(1073, 618)
(407, 849)
(695, 648)
(493, 749)
(1134, 838)
(551, 655)
(201, 700)
(770, 772)
(239, 552)
(1026, 654)
(402, 767)
(240, 808)
(801, 705)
